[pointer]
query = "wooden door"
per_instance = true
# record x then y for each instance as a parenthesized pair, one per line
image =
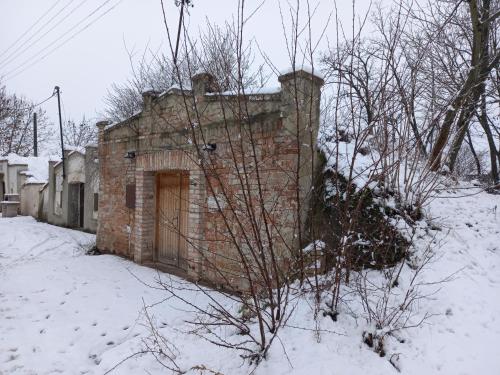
(2, 187)
(73, 205)
(81, 206)
(76, 201)
(172, 193)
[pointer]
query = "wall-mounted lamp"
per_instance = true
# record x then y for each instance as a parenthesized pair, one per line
(210, 147)
(130, 155)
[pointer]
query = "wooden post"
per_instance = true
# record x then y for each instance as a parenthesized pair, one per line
(61, 132)
(35, 136)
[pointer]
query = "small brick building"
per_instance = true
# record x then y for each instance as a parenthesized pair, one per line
(198, 176)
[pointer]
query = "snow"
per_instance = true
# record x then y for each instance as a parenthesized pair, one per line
(257, 91)
(176, 87)
(34, 181)
(73, 149)
(14, 159)
(38, 167)
(62, 311)
(112, 125)
(306, 68)
(462, 338)
(314, 246)
(199, 71)
(361, 169)
(148, 89)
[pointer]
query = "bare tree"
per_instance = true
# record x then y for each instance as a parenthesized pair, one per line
(482, 15)
(254, 205)
(79, 134)
(386, 98)
(212, 52)
(16, 125)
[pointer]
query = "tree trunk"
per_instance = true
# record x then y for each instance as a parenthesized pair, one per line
(463, 128)
(471, 90)
(483, 120)
(474, 154)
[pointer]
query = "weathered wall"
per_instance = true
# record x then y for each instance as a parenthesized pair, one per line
(43, 199)
(275, 132)
(3, 179)
(56, 214)
(75, 167)
(59, 206)
(2, 186)
(14, 179)
(91, 188)
(30, 199)
(114, 232)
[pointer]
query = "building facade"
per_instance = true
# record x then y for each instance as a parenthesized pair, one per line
(70, 191)
(30, 199)
(187, 183)
(11, 178)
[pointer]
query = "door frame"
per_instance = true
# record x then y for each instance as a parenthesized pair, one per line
(81, 206)
(181, 263)
(2, 186)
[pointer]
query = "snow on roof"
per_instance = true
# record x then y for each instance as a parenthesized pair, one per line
(258, 91)
(73, 149)
(136, 113)
(112, 125)
(34, 181)
(200, 70)
(176, 87)
(306, 68)
(76, 150)
(148, 89)
(14, 159)
(101, 120)
(38, 167)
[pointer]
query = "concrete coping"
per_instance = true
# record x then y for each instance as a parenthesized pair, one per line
(35, 183)
(7, 196)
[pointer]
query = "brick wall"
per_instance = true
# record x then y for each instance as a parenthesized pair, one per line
(259, 138)
(116, 221)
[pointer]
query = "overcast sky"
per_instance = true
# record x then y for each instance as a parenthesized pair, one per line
(87, 65)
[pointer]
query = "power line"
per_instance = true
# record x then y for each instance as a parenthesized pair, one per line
(31, 107)
(10, 74)
(29, 29)
(35, 33)
(13, 58)
(44, 101)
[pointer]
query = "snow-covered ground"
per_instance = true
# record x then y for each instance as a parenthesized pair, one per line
(65, 312)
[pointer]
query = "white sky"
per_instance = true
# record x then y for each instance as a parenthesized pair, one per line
(87, 65)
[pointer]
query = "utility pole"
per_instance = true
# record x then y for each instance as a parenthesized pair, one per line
(35, 136)
(61, 131)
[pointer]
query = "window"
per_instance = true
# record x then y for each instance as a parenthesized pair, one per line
(96, 202)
